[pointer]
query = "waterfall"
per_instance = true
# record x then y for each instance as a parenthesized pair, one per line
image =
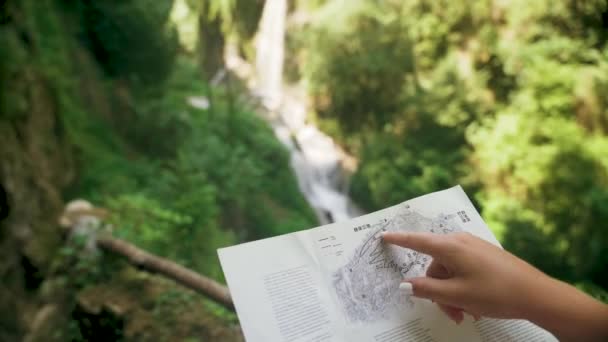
(319, 163)
(269, 49)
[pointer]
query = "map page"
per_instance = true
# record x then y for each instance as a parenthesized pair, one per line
(339, 282)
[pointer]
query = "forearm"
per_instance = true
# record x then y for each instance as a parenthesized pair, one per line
(568, 313)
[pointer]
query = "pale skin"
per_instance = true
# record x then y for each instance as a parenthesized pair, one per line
(471, 275)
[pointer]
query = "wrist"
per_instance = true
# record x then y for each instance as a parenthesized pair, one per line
(537, 297)
(541, 301)
(566, 312)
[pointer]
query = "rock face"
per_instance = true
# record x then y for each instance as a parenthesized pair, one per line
(35, 165)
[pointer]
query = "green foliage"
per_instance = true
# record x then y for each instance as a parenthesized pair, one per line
(179, 181)
(162, 166)
(168, 300)
(379, 88)
(594, 290)
(426, 154)
(200, 196)
(239, 18)
(505, 98)
(548, 187)
(355, 55)
(130, 39)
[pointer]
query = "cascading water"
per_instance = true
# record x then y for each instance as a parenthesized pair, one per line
(317, 161)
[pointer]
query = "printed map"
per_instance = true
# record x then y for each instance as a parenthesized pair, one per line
(367, 286)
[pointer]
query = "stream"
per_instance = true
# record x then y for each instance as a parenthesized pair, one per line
(322, 168)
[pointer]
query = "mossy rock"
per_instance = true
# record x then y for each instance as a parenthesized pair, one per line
(152, 308)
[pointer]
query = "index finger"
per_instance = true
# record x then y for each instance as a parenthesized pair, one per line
(428, 243)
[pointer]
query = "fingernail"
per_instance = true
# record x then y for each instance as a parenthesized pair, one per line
(406, 288)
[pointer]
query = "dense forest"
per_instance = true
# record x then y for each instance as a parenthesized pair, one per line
(132, 106)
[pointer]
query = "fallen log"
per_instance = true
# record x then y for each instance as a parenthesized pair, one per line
(80, 218)
(180, 274)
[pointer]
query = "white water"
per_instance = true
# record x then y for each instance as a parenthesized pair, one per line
(319, 164)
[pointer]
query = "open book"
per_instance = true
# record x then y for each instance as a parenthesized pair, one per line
(339, 282)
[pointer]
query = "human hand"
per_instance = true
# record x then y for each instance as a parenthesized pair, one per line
(471, 275)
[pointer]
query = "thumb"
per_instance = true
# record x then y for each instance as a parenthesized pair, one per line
(439, 290)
